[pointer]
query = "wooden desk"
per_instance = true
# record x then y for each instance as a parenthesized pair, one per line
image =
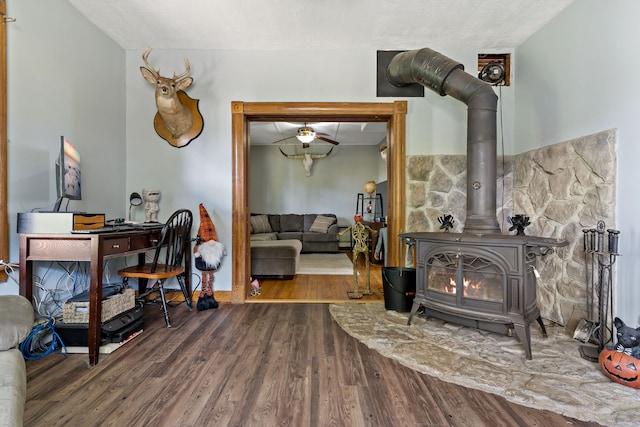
(95, 249)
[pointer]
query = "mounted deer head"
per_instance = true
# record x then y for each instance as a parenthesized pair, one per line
(177, 117)
(307, 159)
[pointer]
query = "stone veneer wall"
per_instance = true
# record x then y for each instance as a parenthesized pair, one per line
(563, 189)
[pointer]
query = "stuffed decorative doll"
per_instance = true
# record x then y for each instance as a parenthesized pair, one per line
(208, 257)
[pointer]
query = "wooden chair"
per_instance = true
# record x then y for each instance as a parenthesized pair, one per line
(167, 260)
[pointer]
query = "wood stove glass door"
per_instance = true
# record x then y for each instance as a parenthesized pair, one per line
(441, 273)
(482, 280)
(470, 280)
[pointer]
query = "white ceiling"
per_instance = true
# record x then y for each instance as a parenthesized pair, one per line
(315, 24)
(487, 25)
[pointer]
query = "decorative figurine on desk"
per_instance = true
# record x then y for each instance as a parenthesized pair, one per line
(360, 236)
(151, 198)
(208, 253)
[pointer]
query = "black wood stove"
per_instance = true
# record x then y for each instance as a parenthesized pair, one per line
(485, 282)
(479, 277)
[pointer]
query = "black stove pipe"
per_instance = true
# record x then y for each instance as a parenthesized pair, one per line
(447, 77)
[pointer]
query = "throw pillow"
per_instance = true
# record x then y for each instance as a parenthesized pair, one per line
(322, 224)
(260, 224)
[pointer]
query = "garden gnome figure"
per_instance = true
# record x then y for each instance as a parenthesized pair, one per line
(208, 253)
(151, 198)
(360, 236)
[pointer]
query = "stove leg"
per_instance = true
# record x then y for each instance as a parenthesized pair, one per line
(544, 330)
(525, 338)
(414, 309)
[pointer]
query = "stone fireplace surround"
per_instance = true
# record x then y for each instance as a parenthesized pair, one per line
(562, 188)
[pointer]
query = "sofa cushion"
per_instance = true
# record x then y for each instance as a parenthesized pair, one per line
(13, 387)
(319, 237)
(321, 224)
(308, 221)
(289, 235)
(260, 224)
(276, 249)
(275, 258)
(261, 237)
(274, 221)
(16, 320)
(291, 222)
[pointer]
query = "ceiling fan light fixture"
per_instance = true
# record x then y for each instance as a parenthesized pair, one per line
(306, 134)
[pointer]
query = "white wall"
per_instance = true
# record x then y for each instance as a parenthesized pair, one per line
(577, 76)
(280, 185)
(201, 172)
(81, 95)
(64, 78)
(438, 125)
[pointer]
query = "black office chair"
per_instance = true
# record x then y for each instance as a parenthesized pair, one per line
(167, 260)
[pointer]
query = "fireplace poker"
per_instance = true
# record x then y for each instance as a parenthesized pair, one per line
(603, 259)
(585, 326)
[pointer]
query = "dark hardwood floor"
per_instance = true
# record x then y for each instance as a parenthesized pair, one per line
(254, 365)
(326, 288)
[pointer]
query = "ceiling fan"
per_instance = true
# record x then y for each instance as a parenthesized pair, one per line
(306, 135)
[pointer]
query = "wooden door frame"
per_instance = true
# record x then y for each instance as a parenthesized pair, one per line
(243, 113)
(4, 198)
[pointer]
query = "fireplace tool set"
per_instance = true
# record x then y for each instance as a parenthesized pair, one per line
(599, 262)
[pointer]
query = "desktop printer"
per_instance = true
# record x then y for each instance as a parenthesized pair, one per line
(116, 330)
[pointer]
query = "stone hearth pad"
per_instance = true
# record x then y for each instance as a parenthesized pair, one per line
(557, 379)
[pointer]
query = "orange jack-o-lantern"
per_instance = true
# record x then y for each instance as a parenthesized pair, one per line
(620, 367)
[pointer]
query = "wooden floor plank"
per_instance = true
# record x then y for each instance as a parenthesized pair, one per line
(325, 288)
(254, 365)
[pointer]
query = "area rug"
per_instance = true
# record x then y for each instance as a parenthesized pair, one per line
(325, 264)
(556, 379)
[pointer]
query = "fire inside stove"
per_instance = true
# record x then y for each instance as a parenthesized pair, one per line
(469, 277)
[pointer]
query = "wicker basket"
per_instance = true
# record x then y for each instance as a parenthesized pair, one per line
(78, 312)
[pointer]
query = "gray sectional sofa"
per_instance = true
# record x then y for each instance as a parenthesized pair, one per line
(275, 259)
(278, 239)
(317, 232)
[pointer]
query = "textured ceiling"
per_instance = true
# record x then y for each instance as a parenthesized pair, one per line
(487, 25)
(327, 24)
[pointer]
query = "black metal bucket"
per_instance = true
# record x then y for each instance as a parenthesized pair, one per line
(399, 286)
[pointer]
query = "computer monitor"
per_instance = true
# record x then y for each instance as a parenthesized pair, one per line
(68, 182)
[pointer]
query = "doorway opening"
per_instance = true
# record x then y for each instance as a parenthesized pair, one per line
(243, 113)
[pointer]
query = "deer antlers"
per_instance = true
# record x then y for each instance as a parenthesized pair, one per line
(156, 73)
(180, 119)
(304, 156)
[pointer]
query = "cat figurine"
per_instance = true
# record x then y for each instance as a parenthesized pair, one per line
(628, 338)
